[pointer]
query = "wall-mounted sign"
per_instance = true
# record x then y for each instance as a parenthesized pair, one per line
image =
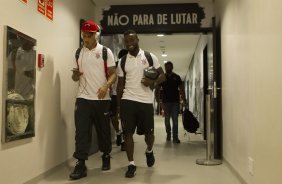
(49, 9)
(41, 6)
(45, 7)
(153, 18)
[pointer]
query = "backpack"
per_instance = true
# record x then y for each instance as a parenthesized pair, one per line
(147, 55)
(190, 122)
(105, 58)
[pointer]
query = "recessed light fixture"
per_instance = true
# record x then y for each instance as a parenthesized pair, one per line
(164, 55)
(160, 35)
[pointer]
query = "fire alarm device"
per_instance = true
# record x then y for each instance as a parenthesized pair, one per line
(40, 60)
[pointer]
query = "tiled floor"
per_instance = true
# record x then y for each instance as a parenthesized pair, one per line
(175, 164)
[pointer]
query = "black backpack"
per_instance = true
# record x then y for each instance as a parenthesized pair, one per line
(105, 58)
(190, 122)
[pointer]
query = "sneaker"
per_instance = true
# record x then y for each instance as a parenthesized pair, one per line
(131, 171)
(106, 162)
(118, 140)
(150, 159)
(176, 141)
(122, 146)
(80, 171)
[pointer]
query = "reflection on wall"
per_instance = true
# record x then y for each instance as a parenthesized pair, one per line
(195, 83)
(195, 77)
(19, 86)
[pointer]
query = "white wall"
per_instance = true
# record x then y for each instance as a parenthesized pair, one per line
(55, 92)
(251, 38)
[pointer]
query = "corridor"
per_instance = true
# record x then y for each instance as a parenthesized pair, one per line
(175, 164)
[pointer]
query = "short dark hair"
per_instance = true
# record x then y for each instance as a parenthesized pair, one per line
(169, 63)
(128, 32)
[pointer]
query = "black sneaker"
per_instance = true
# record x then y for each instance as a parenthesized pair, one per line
(79, 171)
(106, 162)
(118, 140)
(122, 146)
(168, 137)
(150, 159)
(176, 141)
(131, 171)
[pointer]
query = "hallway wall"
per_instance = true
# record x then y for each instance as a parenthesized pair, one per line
(55, 92)
(251, 44)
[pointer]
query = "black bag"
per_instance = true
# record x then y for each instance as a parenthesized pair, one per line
(151, 73)
(190, 123)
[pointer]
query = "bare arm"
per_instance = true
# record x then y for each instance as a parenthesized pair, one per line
(111, 79)
(76, 75)
(120, 88)
(161, 77)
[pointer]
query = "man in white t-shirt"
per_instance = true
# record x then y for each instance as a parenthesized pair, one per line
(93, 100)
(136, 104)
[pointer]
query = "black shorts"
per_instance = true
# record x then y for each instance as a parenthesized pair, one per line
(136, 114)
(113, 105)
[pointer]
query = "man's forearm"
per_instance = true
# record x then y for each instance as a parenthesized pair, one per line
(112, 77)
(120, 88)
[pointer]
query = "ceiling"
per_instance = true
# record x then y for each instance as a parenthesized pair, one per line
(178, 47)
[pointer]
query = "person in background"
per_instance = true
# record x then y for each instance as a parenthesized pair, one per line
(24, 68)
(136, 105)
(93, 99)
(114, 111)
(172, 87)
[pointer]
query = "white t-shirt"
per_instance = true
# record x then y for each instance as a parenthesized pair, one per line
(91, 64)
(134, 69)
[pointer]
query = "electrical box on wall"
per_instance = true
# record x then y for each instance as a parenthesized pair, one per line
(40, 61)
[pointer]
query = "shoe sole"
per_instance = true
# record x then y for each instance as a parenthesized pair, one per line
(76, 178)
(151, 165)
(130, 175)
(106, 168)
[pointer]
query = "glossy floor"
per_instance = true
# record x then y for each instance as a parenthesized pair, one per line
(175, 164)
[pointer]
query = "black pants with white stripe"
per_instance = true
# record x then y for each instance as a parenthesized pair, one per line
(87, 113)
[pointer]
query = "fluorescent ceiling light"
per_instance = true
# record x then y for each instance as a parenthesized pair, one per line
(160, 35)
(164, 55)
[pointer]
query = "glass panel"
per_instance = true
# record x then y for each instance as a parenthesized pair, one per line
(19, 85)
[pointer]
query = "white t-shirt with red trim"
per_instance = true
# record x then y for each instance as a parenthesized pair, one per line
(91, 64)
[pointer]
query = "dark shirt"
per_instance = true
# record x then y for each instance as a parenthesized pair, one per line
(170, 88)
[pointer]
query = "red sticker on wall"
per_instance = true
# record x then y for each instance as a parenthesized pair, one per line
(41, 6)
(49, 9)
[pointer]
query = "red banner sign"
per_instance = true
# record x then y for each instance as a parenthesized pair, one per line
(41, 7)
(49, 9)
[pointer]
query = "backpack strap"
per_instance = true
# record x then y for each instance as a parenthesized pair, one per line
(105, 58)
(77, 53)
(122, 64)
(149, 58)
